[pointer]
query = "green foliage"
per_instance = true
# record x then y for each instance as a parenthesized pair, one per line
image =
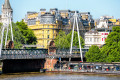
(19, 39)
(110, 52)
(22, 35)
(64, 41)
(75, 39)
(0, 25)
(61, 40)
(94, 54)
(27, 33)
(112, 47)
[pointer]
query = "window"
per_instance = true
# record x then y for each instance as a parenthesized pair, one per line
(43, 31)
(48, 32)
(90, 39)
(94, 39)
(47, 41)
(43, 36)
(102, 39)
(48, 26)
(53, 31)
(97, 39)
(48, 36)
(86, 39)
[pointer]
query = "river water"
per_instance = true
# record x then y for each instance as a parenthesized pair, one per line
(55, 76)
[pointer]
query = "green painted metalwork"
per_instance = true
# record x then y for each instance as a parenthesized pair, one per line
(39, 53)
(24, 53)
(74, 52)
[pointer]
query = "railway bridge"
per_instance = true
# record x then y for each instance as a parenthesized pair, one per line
(24, 60)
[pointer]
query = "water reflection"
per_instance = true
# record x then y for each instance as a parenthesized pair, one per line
(53, 76)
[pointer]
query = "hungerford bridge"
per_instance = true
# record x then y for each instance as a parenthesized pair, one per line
(17, 60)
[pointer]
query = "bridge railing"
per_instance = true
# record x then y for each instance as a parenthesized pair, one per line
(24, 53)
(39, 53)
(75, 52)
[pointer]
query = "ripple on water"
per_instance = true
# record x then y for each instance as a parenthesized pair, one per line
(59, 77)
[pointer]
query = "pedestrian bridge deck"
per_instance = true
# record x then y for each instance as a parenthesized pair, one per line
(38, 53)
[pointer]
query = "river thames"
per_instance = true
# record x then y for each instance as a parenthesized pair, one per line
(56, 76)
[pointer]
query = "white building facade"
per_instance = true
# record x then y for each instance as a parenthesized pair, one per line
(95, 38)
(7, 14)
(103, 22)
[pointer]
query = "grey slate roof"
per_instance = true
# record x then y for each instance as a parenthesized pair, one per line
(7, 5)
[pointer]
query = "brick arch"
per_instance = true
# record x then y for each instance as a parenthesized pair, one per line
(52, 48)
(52, 43)
(10, 45)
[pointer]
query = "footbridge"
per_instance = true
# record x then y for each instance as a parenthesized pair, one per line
(39, 53)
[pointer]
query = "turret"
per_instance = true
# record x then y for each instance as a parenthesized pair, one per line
(7, 13)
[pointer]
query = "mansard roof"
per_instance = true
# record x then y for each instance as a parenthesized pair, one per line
(7, 5)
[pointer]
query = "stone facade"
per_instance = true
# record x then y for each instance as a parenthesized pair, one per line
(95, 38)
(7, 13)
(46, 25)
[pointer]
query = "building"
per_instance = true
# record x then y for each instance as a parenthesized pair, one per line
(95, 38)
(46, 25)
(7, 14)
(106, 23)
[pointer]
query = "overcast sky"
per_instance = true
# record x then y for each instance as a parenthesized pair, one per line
(97, 8)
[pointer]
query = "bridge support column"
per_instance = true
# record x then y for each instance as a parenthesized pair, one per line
(50, 62)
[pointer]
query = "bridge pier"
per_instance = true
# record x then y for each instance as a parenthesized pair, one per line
(50, 63)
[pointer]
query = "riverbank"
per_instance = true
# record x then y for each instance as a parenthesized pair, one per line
(85, 72)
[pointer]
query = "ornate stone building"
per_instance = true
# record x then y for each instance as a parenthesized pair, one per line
(46, 25)
(7, 13)
(95, 38)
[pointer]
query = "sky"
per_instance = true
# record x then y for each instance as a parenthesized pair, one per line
(97, 8)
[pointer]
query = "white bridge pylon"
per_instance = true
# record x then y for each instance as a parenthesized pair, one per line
(75, 23)
(7, 28)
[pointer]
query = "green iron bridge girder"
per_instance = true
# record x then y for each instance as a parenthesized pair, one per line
(39, 53)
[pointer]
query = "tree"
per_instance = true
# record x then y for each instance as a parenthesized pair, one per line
(111, 49)
(21, 34)
(75, 39)
(63, 41)
(94, 54)
(27, 33)
(19, 39)
(0, 25)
